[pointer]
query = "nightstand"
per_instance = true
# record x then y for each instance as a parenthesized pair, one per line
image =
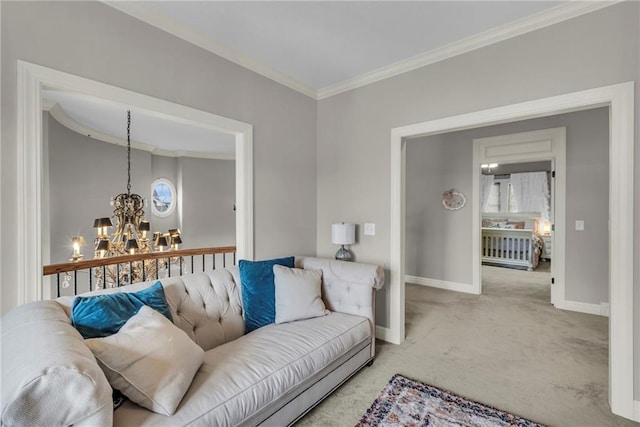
(546, 248)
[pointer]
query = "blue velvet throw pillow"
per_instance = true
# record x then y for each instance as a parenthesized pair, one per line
(259, 291)
(99, 316)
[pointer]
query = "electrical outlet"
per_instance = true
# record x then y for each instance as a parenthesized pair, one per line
(579, 225)
(369, 229)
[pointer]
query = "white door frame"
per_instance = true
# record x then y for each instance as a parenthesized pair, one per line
(31, 80)
(620, 100)
(537, 145)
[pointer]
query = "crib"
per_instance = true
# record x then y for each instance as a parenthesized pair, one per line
(511, 247)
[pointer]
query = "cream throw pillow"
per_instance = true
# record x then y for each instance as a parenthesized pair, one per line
(298, 294)
(150, 360)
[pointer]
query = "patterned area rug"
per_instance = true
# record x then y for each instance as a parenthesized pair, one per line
(405, 402)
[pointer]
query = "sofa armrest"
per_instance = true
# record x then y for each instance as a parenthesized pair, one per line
(347, 287)
(49, 376)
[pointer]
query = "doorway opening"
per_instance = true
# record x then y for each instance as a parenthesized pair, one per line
(621, 255)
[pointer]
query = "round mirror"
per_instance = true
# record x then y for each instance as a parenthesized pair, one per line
(163, 197)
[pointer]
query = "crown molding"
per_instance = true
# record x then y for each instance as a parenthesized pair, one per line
(65, 120)
(562, 12)
(516, 28)
(138, 10)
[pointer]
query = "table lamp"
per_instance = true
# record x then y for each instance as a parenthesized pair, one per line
(343, 234)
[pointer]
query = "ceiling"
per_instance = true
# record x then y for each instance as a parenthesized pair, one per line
(321, 48)
(161, 135)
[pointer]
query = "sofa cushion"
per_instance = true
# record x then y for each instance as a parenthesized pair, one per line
(242, 377)
(298, 294)
(104, 315)
(149, 360)
(258, 291)
(49, 377)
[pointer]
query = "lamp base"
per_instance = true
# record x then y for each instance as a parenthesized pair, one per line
(344, 254)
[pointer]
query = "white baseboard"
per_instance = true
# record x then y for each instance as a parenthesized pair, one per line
(636, 410)
(440, 284)
(383, 333)
(601, 309)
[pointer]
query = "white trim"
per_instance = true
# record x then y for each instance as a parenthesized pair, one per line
(562, 12)
(537, 145)
(145, 14)
(636, 405)
(440, 284)
(383, 333)
(516, 28)
(620, 99)
(31, 79)
(584, 307)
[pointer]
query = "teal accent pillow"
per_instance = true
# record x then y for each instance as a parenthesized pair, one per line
(99, 316)
(259, 292)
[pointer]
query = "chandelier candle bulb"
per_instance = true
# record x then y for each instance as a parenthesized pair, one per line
(76, 243)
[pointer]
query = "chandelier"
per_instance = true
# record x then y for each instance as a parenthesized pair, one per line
(130, 234)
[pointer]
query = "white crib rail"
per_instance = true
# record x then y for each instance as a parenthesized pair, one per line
(508, 247)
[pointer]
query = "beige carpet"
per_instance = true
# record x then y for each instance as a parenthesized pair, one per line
(508, 348)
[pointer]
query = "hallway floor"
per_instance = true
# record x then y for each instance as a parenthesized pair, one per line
(508, 348)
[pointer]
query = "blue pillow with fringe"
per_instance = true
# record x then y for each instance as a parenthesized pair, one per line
(99, 316)
(259, 291)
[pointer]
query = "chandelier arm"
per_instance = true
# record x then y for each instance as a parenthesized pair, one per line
(128, 152)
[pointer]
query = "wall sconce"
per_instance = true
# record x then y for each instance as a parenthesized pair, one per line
(343, 234)
(546, 228)
(77, 242)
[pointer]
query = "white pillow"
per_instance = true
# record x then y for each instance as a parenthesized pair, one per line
(149, 360)
(298, 294)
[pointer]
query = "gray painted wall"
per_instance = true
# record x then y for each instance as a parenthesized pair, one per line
(593, 50)
(79, 192)
(95, 41)
(208, 189)
(438, 242)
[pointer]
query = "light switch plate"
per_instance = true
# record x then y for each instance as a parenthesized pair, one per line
(369, 229)
(579, 225)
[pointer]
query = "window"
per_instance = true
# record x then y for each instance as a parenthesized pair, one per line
(163, 197)
(501, 200)
(494, 198)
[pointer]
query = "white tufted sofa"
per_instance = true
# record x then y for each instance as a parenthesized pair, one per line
(271, 376)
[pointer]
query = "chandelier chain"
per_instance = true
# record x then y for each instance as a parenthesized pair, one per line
(128, 151)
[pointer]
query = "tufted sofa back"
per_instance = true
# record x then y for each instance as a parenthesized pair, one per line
(207, 305)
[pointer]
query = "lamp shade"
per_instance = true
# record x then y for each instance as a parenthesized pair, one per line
(78, 240)
(176, 240)
(144, 226)
(131, 244)
(102, 222)
(343, 233)
(161, 242)
(103, 245)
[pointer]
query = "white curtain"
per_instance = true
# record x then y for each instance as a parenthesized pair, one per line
(487, 183)
(531, 193)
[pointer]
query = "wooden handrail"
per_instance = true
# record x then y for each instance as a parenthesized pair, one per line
(100, 262)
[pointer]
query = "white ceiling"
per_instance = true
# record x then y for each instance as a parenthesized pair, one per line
(323, 47)
(162, 135)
